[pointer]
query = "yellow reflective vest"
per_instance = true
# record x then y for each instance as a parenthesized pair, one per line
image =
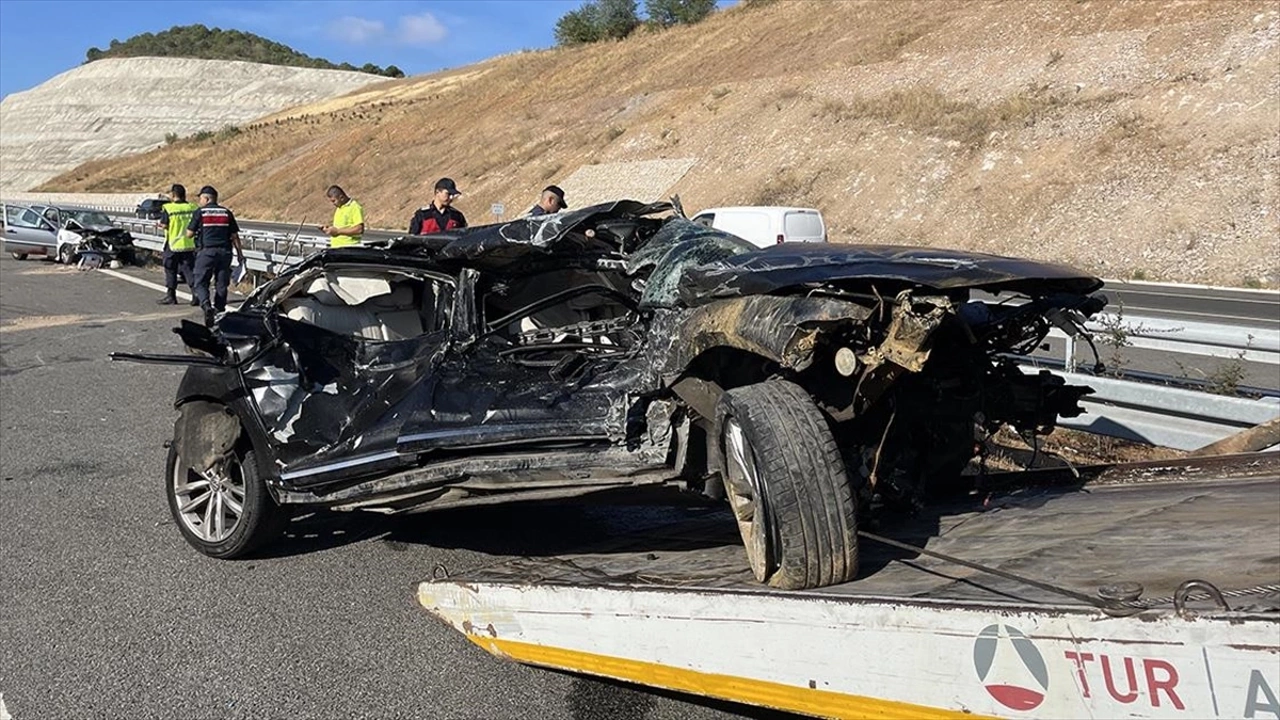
(348, 214)
(179, 214)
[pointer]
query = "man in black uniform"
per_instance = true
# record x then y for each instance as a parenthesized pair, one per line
(216, 233)
(551, 202)
(440, 215)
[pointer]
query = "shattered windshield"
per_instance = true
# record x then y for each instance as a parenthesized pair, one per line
(89, 218)
(679, 245)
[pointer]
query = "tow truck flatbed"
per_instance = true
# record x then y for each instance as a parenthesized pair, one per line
(1037, 622)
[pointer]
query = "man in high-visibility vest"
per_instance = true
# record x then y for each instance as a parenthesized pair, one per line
(179, 250)
(348, 219)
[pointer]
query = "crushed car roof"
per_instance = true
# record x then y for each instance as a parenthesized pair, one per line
(732, 269)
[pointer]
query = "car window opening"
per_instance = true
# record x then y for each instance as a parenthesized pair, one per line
(563, 310)
(379, 305)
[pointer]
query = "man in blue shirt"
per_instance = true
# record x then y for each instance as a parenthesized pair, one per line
(216, 232)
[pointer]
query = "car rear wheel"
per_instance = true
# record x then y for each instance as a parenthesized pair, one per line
(19, 256)
(225, 511)
(786, 483)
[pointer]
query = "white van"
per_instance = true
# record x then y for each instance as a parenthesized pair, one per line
(766, 226)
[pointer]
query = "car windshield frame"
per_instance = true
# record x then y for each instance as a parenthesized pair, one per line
(88, 218)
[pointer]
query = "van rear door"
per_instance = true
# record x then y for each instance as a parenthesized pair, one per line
(750, 225)
(803, 226)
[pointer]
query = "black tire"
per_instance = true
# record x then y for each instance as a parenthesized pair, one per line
(19, 256)
(260, 520)
(66, 255)
(799, 524)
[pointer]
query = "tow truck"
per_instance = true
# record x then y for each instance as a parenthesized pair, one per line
(1147, 590)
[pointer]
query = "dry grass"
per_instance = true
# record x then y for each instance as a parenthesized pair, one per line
(930, 112)
(1006, 451)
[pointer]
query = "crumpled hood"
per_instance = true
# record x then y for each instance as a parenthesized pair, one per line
(796, 264)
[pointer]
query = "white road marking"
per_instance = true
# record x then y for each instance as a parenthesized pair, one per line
(4, 712)
(144, 283)
(154, 286)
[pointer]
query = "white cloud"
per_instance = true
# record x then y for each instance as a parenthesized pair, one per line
(422, 29)
(357, 31)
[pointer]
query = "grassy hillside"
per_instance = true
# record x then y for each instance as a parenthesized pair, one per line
(1135, 139)
(198, 41)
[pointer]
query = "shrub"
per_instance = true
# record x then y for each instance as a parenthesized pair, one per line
(666, 13)
(597, 20)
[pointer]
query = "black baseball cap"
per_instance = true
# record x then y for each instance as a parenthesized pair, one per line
(448, 184)
(555, 190)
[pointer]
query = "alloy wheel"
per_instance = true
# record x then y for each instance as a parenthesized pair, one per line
(742, 483)
(210, 503)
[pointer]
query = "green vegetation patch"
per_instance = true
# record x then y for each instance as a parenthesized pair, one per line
(200, 42)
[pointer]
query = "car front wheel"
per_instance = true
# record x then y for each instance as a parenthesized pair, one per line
(19, 256)
(786, 483)
(225, 511)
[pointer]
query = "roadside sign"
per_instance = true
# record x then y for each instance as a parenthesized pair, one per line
(497, 209)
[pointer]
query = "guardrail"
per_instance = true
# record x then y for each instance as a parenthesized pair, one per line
(1250, 344)
(264, 251)
(1166, 416)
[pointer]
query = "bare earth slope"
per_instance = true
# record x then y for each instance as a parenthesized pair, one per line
(1135, 139)
(119, 106)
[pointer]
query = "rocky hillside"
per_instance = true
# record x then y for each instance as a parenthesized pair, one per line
(115, 107)
(1133, 138)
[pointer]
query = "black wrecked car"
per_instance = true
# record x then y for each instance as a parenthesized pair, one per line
(616, 346)
(150, 208)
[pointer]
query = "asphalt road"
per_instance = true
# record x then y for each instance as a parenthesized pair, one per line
(106, 612)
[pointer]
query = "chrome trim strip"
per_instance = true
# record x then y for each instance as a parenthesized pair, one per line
(341, 465)
(481, 432)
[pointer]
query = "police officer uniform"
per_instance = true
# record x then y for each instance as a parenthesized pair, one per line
(179, 250)
(433, 218)
(537, 210)
(216, 232)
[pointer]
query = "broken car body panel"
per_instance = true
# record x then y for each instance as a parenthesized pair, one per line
(586, 350)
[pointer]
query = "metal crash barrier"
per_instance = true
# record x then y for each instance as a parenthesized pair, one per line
(264, 251)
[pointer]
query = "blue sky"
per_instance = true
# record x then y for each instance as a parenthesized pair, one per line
(42, 38)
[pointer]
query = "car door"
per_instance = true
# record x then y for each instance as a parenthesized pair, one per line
(27, 233)
(331, 380)
(555, 359)
(344, 377)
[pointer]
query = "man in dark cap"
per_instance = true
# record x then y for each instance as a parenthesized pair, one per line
(179, 249)
(216, 233)
(552, 201)
(440, 215)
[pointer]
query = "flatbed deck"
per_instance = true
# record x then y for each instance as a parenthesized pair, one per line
(674, 605)
(1158, 524)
